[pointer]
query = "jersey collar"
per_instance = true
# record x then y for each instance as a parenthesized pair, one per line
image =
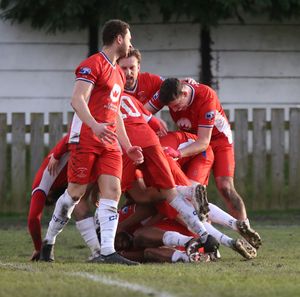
(107, 59)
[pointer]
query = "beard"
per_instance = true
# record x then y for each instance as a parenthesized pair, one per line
(122, 51)
(129, 83)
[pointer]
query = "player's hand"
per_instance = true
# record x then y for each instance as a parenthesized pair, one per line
(35, 256)
(103, 132)
(135, 153)
(163, 130)
(53, 165)
(175, 154)
(190, 80)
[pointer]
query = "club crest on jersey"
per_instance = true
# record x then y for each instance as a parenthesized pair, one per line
(85, 70)
(210, 115)
(115, 93)
(184, 124)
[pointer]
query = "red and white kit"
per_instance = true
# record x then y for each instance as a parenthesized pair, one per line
(86, 148)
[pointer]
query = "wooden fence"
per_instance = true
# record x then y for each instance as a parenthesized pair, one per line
(266, 180)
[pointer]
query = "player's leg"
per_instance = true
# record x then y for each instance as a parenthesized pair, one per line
(165, 254)
(239, 245)
(224, 172)
(158, 171)
(109, 169)
(78, 181)
(37, 204)
(86, 226)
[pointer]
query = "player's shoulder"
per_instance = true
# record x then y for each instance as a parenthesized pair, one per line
(151, 76)
(205, 92)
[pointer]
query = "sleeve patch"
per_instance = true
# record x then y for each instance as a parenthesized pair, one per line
(85, 70)
(210, 115)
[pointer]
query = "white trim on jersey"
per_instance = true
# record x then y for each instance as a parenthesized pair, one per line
(47, 180)
(85, 79)
(158, 109)
(132, 91)
(75, 129)
(223, 126)
(206, 126)
(107, 59)
(192, 95)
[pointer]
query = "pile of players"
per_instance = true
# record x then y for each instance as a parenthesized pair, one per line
(115, 144)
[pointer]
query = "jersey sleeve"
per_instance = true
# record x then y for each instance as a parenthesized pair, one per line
(155, 103)
(60, 148)
(88, 70)
(156, 82)
(207, 109)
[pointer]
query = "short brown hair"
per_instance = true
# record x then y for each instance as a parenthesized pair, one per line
(170, 89)
(112, 29)
(135, 53)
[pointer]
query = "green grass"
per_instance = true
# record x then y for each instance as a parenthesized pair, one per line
(275, 272)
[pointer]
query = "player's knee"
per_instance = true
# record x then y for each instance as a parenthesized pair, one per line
(112, 192)
(226, 187)
(76, 192)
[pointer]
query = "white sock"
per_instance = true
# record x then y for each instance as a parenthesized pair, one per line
(87, 230)
(219, 236)
(108, 218)
(172, 238)
(219, 216)
(61, 215)
(179, 256)
(185, 190)
(189, 216)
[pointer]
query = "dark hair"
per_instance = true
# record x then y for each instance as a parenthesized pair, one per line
(112, 29)
(170, 89)
(135, 53)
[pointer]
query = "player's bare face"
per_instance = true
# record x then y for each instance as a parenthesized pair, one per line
(125, 45)
(180, 103)
(131, 68)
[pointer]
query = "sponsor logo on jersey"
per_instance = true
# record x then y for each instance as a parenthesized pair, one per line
(184, 124)
(210, 115)
(85, 70)
(115, 93)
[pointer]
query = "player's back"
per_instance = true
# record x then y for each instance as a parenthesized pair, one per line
(134, 116)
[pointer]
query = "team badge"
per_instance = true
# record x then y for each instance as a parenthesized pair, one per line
(115, 93)
(210, 115)
(85, 70)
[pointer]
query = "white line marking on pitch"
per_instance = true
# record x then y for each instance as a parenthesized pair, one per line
(121, 283)
(98, 278)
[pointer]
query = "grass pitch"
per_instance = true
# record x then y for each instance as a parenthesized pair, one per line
(275, 272)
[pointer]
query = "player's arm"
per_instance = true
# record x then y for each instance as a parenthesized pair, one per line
(57, 152)
(200, 144)
(150, 108)
(81, 93)
(133, 152)
(142, 212)
(195, 148)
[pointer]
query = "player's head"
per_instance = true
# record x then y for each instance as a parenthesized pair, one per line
(172, 94)
(116, 32)
(131, 67)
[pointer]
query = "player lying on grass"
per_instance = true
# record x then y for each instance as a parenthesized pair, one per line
(144, 229)
(49, 183)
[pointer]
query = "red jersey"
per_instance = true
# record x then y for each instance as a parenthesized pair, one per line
(146, 86)
(104, 101)
(135, 118)
(204, 111)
